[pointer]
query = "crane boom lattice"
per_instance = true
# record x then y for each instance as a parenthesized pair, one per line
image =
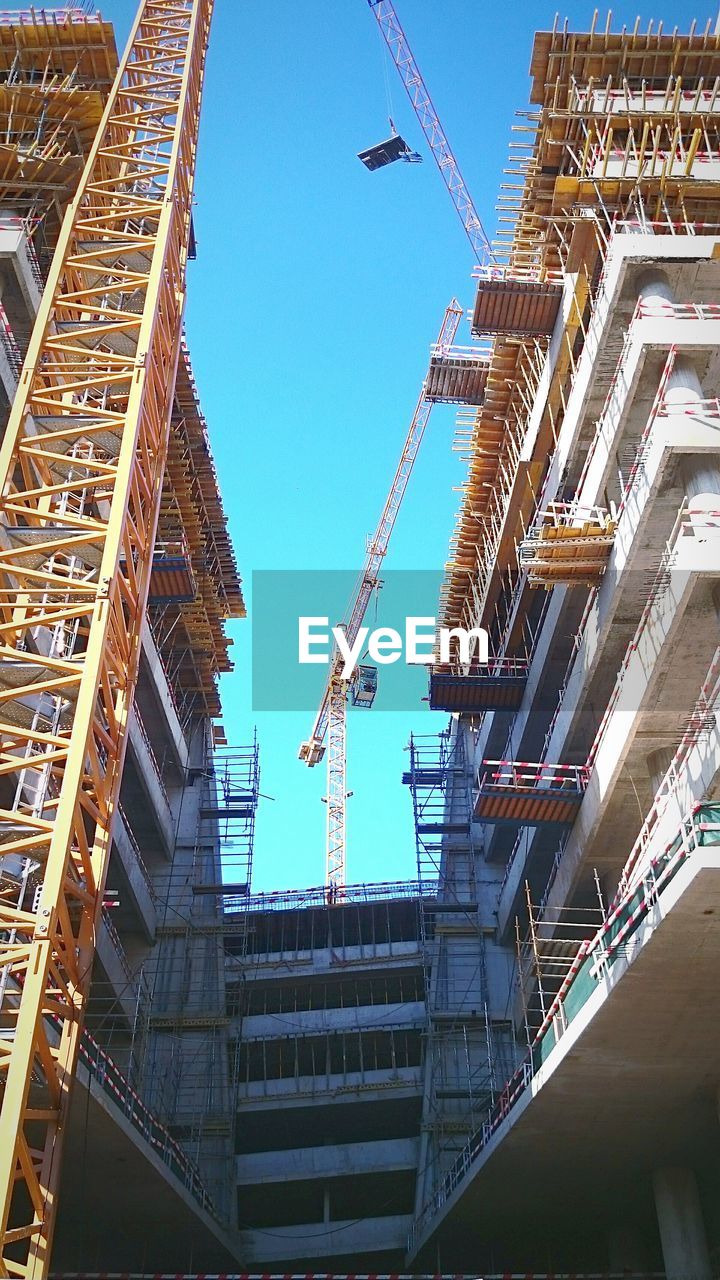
(331, 718)
(416, 89)
(82, 466)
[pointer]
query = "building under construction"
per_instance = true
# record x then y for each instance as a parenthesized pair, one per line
(507, 1066)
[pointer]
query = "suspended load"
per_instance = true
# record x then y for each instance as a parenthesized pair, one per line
(364, 686)
(394, 148)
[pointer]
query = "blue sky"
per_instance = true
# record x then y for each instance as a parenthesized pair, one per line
(317, 292)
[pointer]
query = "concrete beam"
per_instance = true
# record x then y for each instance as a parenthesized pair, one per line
(14, 250)
(334, 962)
(323, 1090)
(643, 1047)
(309, 1022)
(340, 1160)
(135, 878)
(328, 1239)
(152, 667)
(147, 769)
(113, 1176)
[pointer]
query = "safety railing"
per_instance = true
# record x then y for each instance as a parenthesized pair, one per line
(637, 97)
(479, 352)
(105, 1073)
(704, 714)
(291, 899)
(9, 343)
(566, 515)
(661, 309)
(552, 877)
(667, 226)
(151, 753)
(118, 947)
(496, 667)
(686, 522)
(525, 775)
(590, 964)
(521, 836)
(138, 855)
(33, 262)
(58, 17)
(153, 619)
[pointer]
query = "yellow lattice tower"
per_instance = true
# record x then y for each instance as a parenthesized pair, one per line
(82, 468)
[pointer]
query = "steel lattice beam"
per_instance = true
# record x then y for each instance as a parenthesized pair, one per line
(82, 466)
(330, 720)
(417, 92)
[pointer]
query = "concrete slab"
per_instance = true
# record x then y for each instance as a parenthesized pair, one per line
(630, 1086)
(122, 1209)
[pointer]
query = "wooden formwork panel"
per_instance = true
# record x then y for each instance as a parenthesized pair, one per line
(524, 308)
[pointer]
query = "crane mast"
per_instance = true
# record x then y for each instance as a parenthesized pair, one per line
(82, 466)
(416, 89)
(331, 718)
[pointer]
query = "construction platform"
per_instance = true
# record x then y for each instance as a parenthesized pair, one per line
(171, 579)
(570, 545)
(496, 688)
(457, 376)
(523, 308)
(529, 794)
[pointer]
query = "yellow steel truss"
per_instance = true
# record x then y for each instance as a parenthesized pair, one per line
(82, 467)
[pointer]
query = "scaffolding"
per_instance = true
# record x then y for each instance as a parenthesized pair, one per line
(499, 686)
(568, 544)
(469, 1052)
(547, 954)
(457, 375)
(189, 1063)
(227, 819)
(518, 792)
(189, 627)
(622, 137)
(442, 821)
(55, 75)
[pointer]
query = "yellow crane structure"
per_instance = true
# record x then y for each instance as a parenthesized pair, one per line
(81, 470)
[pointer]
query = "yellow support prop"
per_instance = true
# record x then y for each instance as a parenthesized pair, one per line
(82, 466)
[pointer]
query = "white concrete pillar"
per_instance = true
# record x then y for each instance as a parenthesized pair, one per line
(654, 288)
(684, 385)
(658, 763)
(682, 1230)
(701, 476)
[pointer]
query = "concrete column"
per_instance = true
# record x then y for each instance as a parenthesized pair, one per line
(701, 476)
(658, 763)
(682, 1230)
(654, 287)
(684, 385)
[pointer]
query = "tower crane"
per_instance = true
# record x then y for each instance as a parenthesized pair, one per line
(416, 89)
(331, 719)
(81, 469)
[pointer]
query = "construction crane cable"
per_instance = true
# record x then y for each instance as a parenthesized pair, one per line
(422, 104)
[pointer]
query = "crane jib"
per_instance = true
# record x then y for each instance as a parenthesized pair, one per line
(429, 121)
(330, 720)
